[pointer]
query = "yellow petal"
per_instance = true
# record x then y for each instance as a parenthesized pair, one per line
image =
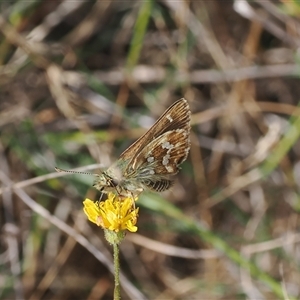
(91, 209)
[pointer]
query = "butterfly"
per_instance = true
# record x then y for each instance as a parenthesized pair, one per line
(151, 161)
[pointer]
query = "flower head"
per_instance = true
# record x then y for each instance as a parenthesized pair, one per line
(114, 214)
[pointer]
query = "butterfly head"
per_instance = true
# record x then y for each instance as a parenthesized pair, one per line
(104, 182)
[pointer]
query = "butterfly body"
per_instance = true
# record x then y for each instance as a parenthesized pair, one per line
(113, 180)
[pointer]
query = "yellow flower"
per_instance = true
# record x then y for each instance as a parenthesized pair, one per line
(114, 214)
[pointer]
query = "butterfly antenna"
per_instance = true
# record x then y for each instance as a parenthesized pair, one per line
(74, 172)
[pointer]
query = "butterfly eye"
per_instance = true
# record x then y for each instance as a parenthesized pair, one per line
(114, 182)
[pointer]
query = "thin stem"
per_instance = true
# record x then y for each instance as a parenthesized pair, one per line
(117, 295)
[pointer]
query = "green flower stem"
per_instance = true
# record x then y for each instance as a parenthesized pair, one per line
(115, 238)
(117, 295)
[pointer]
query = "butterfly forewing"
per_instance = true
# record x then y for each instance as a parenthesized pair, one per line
(176, 116)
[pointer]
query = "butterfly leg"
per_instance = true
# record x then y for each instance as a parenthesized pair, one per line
(101, 196)
(133, 200)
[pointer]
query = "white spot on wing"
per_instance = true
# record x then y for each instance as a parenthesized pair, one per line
(150, 159)
(183, 131)
(165, 160)
(169, 169)
(167, 145)
(169, 118)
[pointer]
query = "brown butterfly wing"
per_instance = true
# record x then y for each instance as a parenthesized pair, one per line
(163, 155)
(160, 159)
(175, 117)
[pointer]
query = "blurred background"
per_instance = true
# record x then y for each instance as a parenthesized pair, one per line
(82, 80)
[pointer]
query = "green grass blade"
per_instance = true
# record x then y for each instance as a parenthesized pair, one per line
(139, 33)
